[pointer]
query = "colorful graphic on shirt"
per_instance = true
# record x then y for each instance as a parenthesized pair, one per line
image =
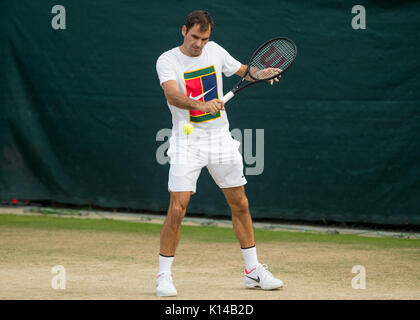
(201, 85)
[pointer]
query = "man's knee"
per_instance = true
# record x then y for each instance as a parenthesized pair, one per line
(176, 213)
(240, 205)
(178, 206)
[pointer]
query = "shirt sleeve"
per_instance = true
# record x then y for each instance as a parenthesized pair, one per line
(230, 64)
(165, 69)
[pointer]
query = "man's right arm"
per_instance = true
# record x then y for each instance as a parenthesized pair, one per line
(178, 99)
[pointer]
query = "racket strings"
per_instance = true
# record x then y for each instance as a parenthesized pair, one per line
(272, 59)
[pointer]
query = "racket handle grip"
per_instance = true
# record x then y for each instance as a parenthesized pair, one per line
(228, 96)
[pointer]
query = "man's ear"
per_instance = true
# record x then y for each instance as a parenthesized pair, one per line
(184, 30)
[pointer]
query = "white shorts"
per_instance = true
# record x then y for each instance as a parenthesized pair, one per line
(220, 155)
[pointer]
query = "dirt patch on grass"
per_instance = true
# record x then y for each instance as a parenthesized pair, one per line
(113, 265)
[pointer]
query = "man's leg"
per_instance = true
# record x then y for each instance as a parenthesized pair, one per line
(241, 217)
(256, 274)
(171, 228)
(169, 239)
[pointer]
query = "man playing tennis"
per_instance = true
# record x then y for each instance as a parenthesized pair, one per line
(191, 78)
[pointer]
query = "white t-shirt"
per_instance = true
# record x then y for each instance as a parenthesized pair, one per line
(199, 78)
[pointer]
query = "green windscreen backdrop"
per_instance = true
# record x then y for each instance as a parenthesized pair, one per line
(83, 119)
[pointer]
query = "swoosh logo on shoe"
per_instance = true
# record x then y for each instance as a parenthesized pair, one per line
(256, 280)
(246, 271)
(201, 95)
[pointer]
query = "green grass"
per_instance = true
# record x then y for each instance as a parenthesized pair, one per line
(199, 233)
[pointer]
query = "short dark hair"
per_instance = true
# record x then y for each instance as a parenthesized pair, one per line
(201, 17)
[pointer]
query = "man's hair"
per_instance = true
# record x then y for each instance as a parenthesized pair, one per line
(201, 17)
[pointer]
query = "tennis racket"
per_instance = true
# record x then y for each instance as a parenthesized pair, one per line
(269, 61)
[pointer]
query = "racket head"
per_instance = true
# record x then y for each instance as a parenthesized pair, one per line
(276, 56)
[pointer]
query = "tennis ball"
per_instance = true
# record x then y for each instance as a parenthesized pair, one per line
(187, 128)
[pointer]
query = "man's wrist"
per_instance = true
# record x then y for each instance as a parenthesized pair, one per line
(196, 104)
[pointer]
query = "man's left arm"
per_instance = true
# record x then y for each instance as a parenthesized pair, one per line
(241, 73)
(242, 70)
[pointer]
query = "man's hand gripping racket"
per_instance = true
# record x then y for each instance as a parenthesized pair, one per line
(268, 63)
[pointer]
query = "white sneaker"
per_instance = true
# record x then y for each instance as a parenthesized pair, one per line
(260, 277)
(164, 285)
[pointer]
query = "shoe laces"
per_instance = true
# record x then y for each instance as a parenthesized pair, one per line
(263, 269)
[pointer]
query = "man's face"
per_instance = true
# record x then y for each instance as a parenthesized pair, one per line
(195, 39)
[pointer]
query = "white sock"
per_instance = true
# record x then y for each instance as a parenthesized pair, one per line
(250, 258)
(165, 264)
